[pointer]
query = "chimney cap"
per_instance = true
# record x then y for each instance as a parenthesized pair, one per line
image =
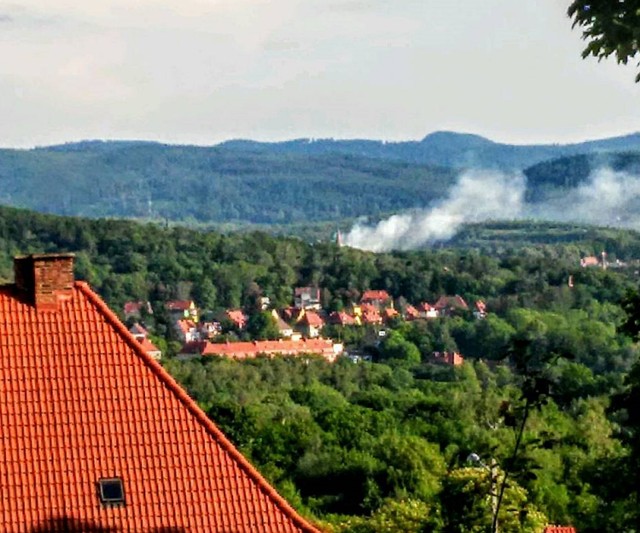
(55, 255)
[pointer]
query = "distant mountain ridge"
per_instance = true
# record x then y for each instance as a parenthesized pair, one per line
(297, 181)
(443, 148)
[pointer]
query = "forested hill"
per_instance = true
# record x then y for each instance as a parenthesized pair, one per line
(448, 149)
(211, 185)
(551, 177)
(259, 183)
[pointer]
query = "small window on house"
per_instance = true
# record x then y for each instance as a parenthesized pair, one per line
(111, 491)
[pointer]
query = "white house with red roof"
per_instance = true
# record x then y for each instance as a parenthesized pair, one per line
(187, 330)
(179, 309)
(311, 324)
(307, 298)
(449, 305)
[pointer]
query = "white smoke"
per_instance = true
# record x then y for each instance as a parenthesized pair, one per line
(608, 198)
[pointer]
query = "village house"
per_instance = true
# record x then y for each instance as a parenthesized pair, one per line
(378, 299)
(448, 358)
(427, 310)
(96, 436)
(388, 314)
(480, 310)
(411, 313)
(286, 330)
(236, 317)
(251, 349)
(187, 330)
(209, 330)
(340, 318)
(134, 310)
(311, 324)
(307, 298)
(450, 305)
(370, 314)
(142, 336)
(180, 309)
(589, 261)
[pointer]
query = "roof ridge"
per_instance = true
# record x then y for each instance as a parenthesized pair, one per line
(193, 407)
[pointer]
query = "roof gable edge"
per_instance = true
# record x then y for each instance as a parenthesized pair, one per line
(193, 408)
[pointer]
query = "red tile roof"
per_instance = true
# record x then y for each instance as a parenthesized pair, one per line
(559, 529)
(80, 400)
(312, 318)
(371, 296)
(150, 348)
(251, 349)
(185, 326)
(389, 312)
(238, 317)
(451, 302)
(138, 330)
(341, 318)
(179, 305)
(411, 312)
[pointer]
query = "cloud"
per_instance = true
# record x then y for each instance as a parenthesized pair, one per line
(607, 198)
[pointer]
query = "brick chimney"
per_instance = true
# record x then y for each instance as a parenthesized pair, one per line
(44, 279)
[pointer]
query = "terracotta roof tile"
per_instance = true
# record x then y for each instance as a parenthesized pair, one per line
(312, 318)
(80, 400)
(179, 305)
(372, 295)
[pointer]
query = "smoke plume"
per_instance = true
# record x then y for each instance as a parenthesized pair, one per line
(607, 198)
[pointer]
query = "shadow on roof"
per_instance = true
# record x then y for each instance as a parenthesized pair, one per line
(72, 525)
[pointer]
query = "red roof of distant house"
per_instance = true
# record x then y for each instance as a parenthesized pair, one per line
(248, 350)
(370, 314)
(312, 318)
(148, 346)
(185, 326)
(451, 302)
(449, 358)
(131, 308)
(411, 312)
(389, 313)
(372, 295)
(559, 529)
(425, 307)
(138, 330)
(311, 291)
(81, 401)
(179, 305)
(237, 317)
(292, 314)
(589, 261)
(341, 318)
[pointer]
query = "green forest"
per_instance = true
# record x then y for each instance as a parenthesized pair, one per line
(541, 414)
(281, 186)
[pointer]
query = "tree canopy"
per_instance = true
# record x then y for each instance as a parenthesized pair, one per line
(610, 27)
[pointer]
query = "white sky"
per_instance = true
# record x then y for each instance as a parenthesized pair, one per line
(202, 71)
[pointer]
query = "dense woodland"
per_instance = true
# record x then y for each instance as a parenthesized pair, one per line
(276, 184)
(385, 445)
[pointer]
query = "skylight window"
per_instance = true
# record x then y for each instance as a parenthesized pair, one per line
(111, 491)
